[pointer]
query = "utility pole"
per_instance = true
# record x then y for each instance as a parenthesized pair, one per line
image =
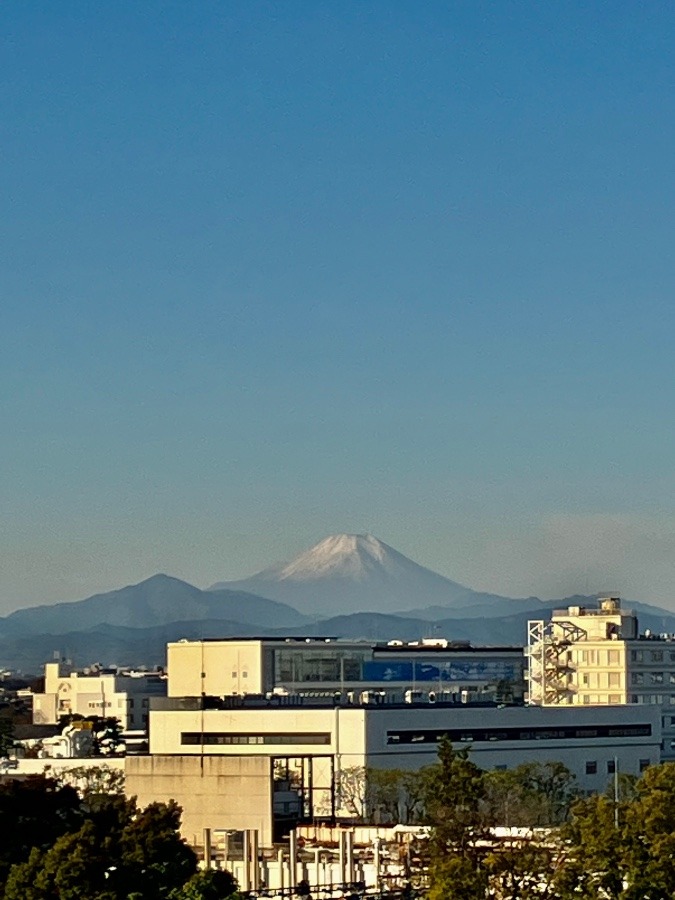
(616, 793)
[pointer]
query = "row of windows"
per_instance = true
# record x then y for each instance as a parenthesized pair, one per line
(200, 738)
(589, 699)
(652, 677)
(652, 655)
(599, 657)
(479, 735)
(601, 679)
(592, 766)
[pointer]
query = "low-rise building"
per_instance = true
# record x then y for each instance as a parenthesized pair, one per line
(122, 695)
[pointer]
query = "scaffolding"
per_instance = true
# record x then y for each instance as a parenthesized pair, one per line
(550, 670)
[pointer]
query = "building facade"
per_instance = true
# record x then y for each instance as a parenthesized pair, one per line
(433, 669)
(596, 657)
(198, 745)
(124, 696)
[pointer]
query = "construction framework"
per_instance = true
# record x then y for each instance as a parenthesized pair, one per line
(550, 667)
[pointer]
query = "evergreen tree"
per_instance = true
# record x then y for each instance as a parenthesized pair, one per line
(454, 795)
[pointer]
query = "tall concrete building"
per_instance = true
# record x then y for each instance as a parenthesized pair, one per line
(597, 657)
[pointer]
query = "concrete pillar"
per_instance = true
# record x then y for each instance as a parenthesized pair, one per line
(226, 848)
(246, 886)
(280, 861)
(255, 862)
(207, 848)
(317, 865)
(349, 855)
(293, 859)
(377, 862)
(342, 851)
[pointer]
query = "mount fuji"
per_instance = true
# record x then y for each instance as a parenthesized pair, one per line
(347, 573)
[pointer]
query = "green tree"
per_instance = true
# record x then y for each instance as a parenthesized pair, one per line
(530, 795)
(211, 884)
(34, 812)
(595, 856)
(154, 859)
(118, 852)
(454, 796)
(6, 736)
(74, 867)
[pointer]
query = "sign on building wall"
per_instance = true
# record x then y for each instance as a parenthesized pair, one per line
(468, 671)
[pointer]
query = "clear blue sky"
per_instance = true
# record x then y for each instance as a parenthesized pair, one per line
(273, 270)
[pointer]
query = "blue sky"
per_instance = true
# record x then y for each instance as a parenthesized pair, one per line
(275, 270)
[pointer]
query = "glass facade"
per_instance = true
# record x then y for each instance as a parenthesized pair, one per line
(336, 666)
(317, 665)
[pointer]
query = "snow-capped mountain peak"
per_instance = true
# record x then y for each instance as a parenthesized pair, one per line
(352, 556)
(350, 573)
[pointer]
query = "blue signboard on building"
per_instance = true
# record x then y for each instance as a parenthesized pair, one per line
(465, 671)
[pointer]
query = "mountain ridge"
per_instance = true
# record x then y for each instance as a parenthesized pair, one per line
(356, 572)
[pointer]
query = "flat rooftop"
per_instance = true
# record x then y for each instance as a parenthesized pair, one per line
(424, 645)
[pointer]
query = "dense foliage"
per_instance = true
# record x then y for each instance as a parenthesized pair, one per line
(59, 844)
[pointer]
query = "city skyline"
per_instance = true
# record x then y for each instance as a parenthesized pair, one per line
(277, 271)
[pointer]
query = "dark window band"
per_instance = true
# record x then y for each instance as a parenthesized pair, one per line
(229, 737)
(482, 735)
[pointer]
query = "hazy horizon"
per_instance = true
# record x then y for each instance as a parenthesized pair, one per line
(273, 271)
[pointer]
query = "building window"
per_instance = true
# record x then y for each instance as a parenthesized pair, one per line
(657, 655)
(636, 655)
(637, 678)
(615, 698)
(614, 658)
(656, 677)
(614, 680)
(591, 767)
(227, 738)
(611, 767)
(644, 764)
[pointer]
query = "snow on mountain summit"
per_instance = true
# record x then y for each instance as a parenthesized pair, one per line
(353, 573)
(343, 555)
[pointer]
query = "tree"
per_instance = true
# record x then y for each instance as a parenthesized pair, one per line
(350, 790)
(454, 794)
(6, 736)
(623, 851)
(117, 852)
(531, 795)
(154, 859)
(90, 781)
(211, 884)
(75, 866)
(34, 812)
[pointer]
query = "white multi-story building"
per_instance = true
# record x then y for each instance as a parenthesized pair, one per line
(596, 657)
(209, 747)
(122, 695)
(324, 666)
(208, 755)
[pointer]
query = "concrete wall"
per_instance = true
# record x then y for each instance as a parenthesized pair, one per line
(344, 728)
(215, 668)
(630, 752)
(215, 792)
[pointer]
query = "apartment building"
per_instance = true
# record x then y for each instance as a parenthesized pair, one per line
(597, 657)
(123, 695)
